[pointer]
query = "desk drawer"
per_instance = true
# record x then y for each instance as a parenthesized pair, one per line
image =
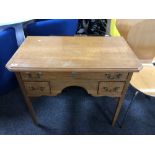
(89, 86)
(37, 88)
(33, 76)
(46, 76)
(110, 88)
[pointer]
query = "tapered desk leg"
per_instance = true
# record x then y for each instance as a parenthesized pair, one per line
(27, 99)
(121, 99)
(117, 111)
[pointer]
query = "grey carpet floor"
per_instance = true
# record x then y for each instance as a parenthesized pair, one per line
(75, 112)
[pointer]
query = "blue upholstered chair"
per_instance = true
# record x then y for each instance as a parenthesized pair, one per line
(56, 27)
(8, 45)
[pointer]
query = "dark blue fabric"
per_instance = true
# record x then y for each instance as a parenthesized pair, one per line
(74, 111)
(8, 46)
(58, 27)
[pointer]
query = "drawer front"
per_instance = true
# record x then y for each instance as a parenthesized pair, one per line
(89, 86)
(115, 76)
(110, 88)
(46, 76)
(32, 76)
(37, 88)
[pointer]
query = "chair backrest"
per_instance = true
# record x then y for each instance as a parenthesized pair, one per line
(8, 45)
(140, 35)
(113, 29)
(56, 27)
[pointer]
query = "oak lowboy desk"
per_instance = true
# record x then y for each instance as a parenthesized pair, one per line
(101, 65)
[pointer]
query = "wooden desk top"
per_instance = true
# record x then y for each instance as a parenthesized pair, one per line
(74, 54)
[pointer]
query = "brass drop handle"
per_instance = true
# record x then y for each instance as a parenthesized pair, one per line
(32, 88)
(112, 77)
(42, 88)
(38, 75)
(37, 88)
(118, 75)
(111, 90)
(109, 76)
(116, 89)
(106, 88)
(29, 74)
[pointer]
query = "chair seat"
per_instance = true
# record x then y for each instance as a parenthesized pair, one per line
(144, 81)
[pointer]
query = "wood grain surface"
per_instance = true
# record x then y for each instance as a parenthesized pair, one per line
(74, 54)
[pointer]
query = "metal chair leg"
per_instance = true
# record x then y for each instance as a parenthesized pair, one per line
(125, 116)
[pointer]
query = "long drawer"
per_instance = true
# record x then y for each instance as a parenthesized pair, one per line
(47, 76)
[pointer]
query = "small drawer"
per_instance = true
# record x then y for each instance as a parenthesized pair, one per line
(110, 88)
(37, 88)
(115, 76)
(29, 76)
